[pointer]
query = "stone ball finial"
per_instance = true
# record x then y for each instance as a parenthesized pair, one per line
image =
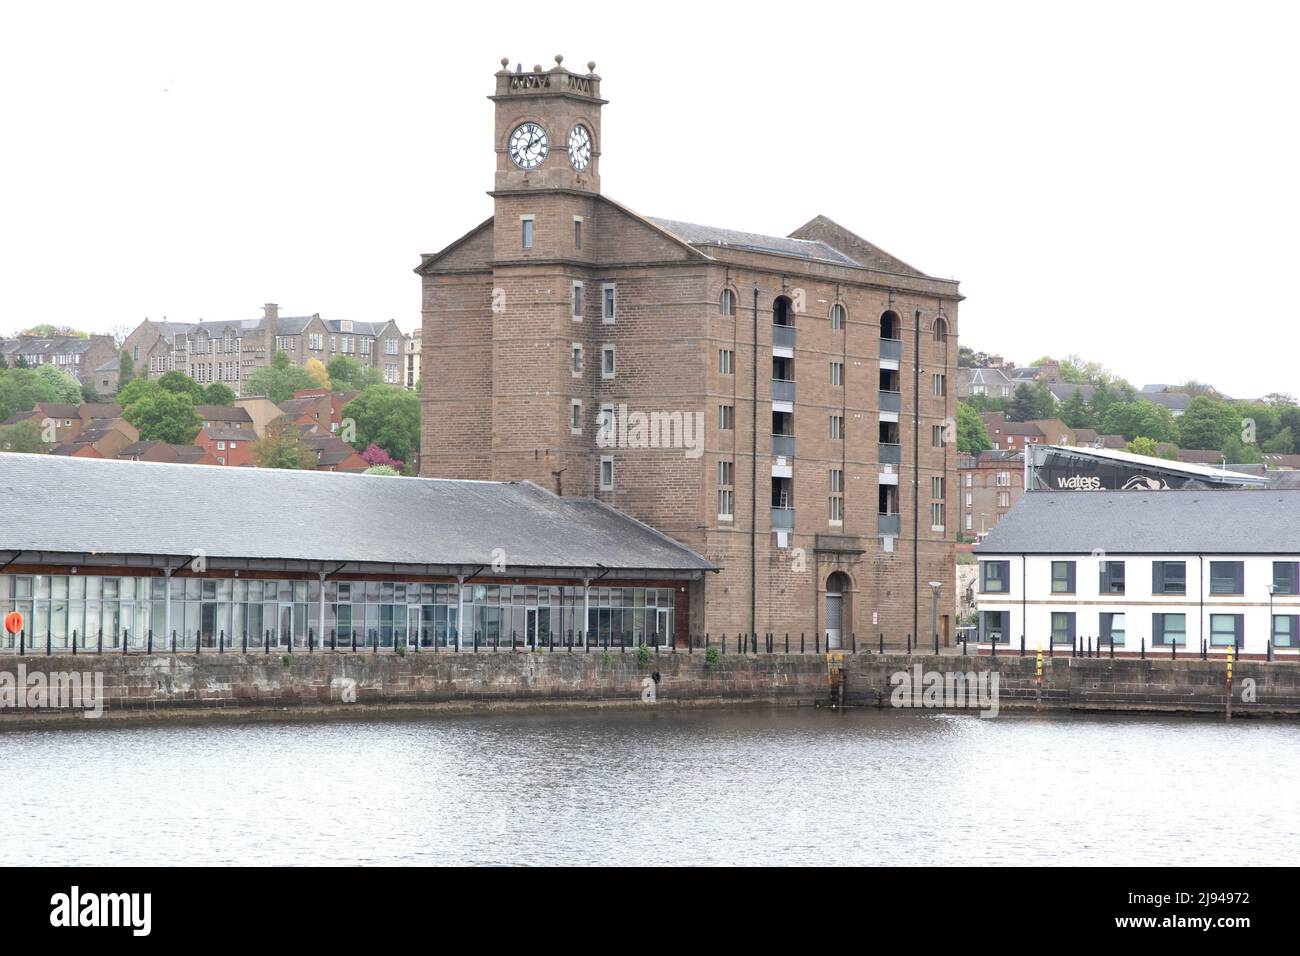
(591, 66)
(537, 68)
(559, 58)
(505, 62)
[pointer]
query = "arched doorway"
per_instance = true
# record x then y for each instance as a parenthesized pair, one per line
(837, 596)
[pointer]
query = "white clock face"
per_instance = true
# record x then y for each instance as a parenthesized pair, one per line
(528, 146)
(580, 148)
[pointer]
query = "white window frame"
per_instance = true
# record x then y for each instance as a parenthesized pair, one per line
(608, 362)
(606, 460)
(726, 361)
(575, 352)
(575, 405)
(527, 230)
(576, 305)
(577, 232)
(609, 303)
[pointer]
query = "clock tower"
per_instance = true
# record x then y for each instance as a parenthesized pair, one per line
(547, 129)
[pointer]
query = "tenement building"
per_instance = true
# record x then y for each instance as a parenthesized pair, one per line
(409, 564)
(229, 352)
(1170, 572)
(781, 404)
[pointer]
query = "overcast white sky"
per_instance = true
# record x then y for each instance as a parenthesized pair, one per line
(1113, 179)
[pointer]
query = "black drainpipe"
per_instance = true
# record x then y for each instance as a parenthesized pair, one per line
(753, 485)
(916, 483)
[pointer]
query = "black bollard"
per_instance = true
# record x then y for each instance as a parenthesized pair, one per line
(1142, 650)
(1022, 645)
(1269, 646)
(1173, 650)
(882, 642)
(74, 642)
(909, 644)
(221, 641)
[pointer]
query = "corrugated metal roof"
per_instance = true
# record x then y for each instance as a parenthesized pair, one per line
(121, 507)
(1216, 521)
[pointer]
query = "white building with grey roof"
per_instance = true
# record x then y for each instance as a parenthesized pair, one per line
(1145, 572)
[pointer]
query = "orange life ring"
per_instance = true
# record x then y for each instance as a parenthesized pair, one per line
(13, 622)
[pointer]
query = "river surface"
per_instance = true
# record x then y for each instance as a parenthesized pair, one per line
(709, 786)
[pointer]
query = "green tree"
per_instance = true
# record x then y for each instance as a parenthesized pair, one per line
(345, 373)
(181, 384)
(282, 447)
(972, 436)
(21, 388)
(279, 380)
(164, 416)
(1074, 411)
(1283, 443)
(389, 416)
(382, 470)
(1207, 423)
(218, 393)
(88, 393)
(23, 437)
(1142, 445)
(1148, 419)
(135, 390)
(1031, 403)
(64, 387)
(125, 368)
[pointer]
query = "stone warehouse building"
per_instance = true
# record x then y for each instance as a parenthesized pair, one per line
(229, 352)
(401, 566)
(780, 404)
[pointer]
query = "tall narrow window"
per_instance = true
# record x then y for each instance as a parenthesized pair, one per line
(577, 232)
(837, 373)
(837, 427)
(527, 226)
(836, 499)
(606, 472)
(936, 435)
(940, 384)
(837, 316)
(726, 489)
(607, 361)
(577, 302)
(727, 302)
(726, 417)
(577, 360)
(575, 416)
(726, 361)
(608, 303)
(937, 517)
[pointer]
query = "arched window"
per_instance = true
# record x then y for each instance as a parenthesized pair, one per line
(838, 316)
(889, 325)
(782, 311)
(727, 302)
(941, 329)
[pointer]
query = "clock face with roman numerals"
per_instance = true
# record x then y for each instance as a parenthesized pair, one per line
(528, 145)
(580, 147)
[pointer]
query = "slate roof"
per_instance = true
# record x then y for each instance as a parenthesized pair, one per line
(76, 505)
(711, 235)
(1263, 521)
(222, 432)
(223, 413)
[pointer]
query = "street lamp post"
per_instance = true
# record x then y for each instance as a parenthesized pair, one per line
(1272, 589)
(934, 613)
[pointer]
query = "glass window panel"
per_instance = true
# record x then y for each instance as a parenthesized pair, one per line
(59, 584)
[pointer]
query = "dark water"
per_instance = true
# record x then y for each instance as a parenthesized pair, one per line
(745, 786)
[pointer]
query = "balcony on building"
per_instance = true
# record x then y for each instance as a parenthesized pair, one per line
(890, 520)
(782, 323)
(782, 379)
(783, 434)
(782, 504)
(891, 345)
(890, 442)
